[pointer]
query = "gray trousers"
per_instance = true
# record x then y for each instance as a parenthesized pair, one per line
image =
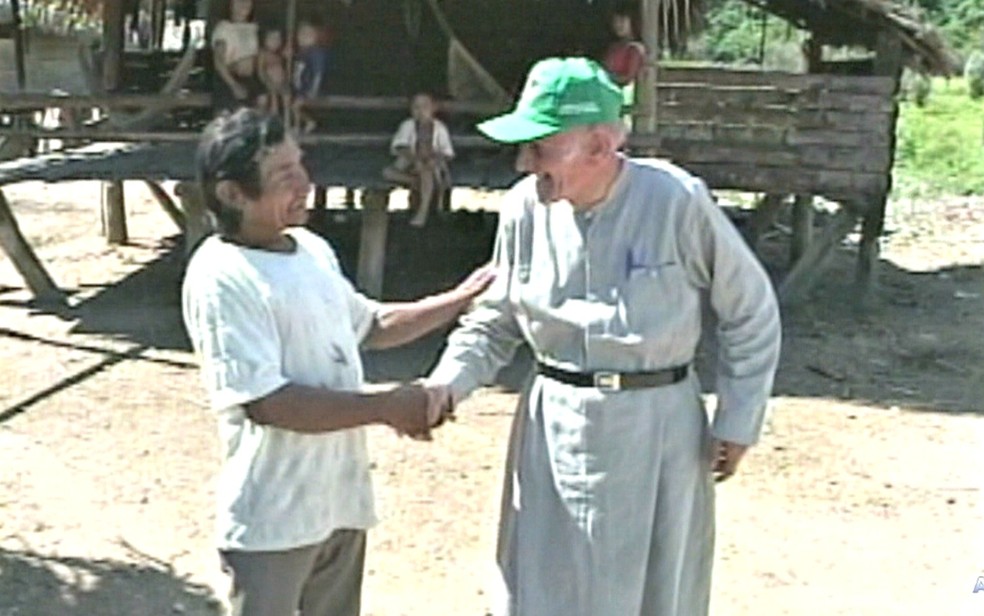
(324, 579)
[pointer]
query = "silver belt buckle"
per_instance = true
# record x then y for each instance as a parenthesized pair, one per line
(609, 381)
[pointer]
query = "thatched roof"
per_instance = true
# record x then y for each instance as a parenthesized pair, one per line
(857, 22)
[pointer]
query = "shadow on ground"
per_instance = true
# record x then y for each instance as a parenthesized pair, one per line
(36, 585)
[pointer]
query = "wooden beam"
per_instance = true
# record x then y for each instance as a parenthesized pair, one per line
(877, 85)
(808, 269)
(25, 261)
(29, 101)
(112, 43)
(18, 44)
(372, 242)
(167, 203)
(153, 112)
(114, 213)
(123, 135)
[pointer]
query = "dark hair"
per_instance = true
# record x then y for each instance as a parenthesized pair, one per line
(267, 28)
(230, 149)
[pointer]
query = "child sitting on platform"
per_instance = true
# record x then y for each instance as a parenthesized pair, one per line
(422, 147)
(272, 71)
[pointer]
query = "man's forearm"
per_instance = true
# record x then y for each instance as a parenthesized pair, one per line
(400, 323)
(315, 410)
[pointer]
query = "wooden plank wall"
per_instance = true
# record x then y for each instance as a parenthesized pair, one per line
(778, 132)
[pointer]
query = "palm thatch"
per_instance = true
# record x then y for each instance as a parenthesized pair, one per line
(857, 23)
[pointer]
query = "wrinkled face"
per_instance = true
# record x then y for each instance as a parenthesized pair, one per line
(422, 108)
(622, 26)
(240, 10)
(285, 187)
(273, 40)
(561, 164)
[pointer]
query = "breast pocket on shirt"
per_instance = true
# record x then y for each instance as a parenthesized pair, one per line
(652, 295)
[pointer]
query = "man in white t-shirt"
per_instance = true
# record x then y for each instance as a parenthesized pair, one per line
(277, 328)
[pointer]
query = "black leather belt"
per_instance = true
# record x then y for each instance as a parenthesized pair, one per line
(615, 381)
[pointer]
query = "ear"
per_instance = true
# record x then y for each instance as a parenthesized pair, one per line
(229, 193)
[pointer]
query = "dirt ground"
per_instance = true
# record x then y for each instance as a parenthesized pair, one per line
(862, 497)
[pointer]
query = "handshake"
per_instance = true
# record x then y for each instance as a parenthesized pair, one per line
(415, 409)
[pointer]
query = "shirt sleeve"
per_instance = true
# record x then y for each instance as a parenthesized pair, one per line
(442, 140)
(404, 136)
(220, 34)
(748, 326)
(363, 311)
(488, 335)
(234, 332)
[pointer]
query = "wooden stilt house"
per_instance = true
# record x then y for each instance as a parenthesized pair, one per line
(821, 133)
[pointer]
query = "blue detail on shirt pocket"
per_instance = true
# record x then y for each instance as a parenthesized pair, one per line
(636, 270)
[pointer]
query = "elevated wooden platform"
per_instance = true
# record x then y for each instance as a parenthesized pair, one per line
(329, 163)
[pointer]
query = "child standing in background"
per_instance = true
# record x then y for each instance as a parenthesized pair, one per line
(311, 63)
(272, 71)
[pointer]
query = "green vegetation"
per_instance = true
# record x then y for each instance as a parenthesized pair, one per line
(974, 72)
(961, 21)
(940, 148)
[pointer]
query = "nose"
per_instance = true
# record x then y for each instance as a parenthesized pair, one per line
(524, 159)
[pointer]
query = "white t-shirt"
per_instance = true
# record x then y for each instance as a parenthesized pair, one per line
(241, 40)
(259, 320)
(406, 136)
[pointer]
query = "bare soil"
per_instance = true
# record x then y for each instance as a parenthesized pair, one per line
(863, 496)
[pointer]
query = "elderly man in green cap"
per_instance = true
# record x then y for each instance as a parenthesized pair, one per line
(608, 506)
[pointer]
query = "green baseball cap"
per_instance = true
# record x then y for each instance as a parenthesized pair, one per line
(560, 94)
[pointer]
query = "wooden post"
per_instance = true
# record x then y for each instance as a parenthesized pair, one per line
(158, 23)
(764, 216)
(813, 54)
(866, 273)
(18, 44)
(320, 198)
(198, 224)
(807, 270)
(372, 243)
(888, 63)
(802, 227)
(289, 40)
(645, 92)
(112, 39)
(13, 243)
(114, 212)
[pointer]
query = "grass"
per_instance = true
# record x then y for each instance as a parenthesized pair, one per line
(940, 147)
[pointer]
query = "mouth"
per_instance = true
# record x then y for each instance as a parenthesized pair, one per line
(297, 208)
